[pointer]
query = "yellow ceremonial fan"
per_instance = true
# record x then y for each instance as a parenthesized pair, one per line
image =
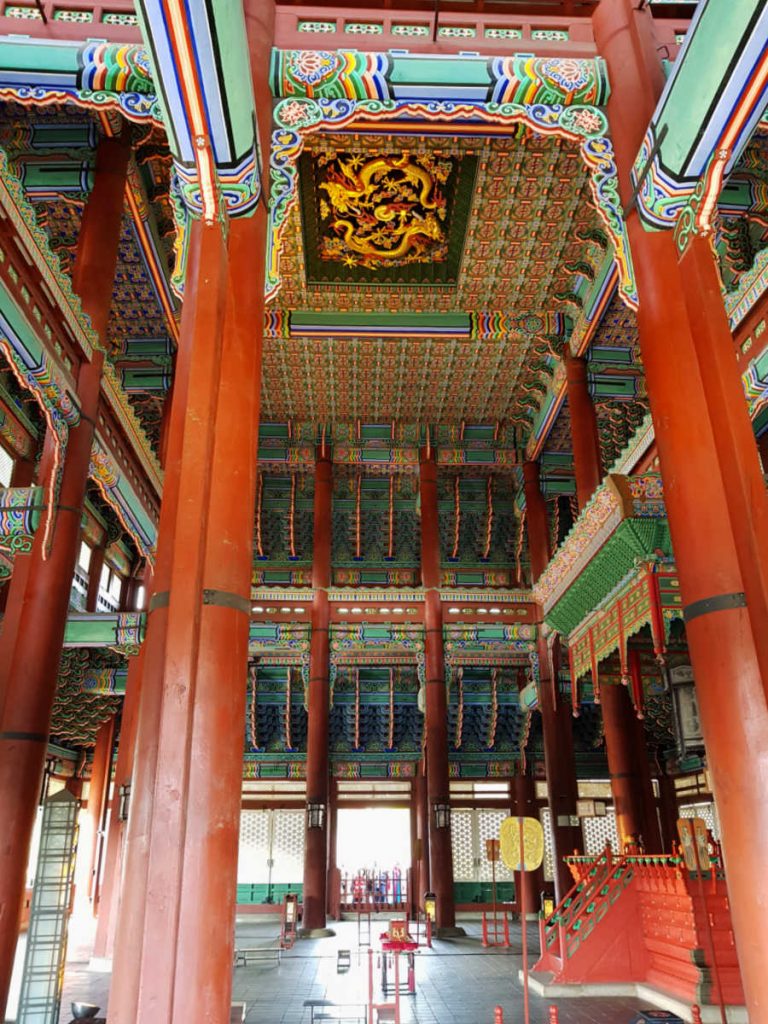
(522, 849)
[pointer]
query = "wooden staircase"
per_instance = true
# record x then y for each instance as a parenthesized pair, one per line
(644, 919)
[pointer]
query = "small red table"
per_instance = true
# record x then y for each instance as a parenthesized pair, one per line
(397, 947)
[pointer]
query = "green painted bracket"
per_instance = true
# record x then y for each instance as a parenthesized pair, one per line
(123, 630)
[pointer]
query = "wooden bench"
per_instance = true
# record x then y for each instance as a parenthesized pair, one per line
(252, 954)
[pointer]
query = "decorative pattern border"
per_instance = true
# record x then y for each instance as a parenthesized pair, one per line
(363, 75)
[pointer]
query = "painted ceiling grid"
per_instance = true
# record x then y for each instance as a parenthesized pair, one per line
(524, 230)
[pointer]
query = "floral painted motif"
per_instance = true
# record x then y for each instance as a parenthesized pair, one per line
(566, 72)
(310, 67)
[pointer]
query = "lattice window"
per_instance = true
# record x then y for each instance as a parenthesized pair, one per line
(549, 35)
(463, 843)
(410, 30)
(316, 26)
(599, 831)
(705, 811)
(126, 20)
(488, 826)
(79, 17)
(457, 31)
(28, 13)
(549, 845)
(364, 28)
(288, 846)
(254, 847)
(503, 33)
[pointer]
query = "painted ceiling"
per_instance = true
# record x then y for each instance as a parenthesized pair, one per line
(530, 202)
(428, 225)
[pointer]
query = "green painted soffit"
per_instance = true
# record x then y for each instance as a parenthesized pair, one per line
(633, 539)
(381, 321)
(699, 78)
(43, 57)
(56, 175)
(100, 630)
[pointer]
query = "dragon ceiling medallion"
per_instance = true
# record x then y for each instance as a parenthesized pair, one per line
(388, 211)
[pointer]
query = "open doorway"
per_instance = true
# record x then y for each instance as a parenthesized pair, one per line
(374, 855)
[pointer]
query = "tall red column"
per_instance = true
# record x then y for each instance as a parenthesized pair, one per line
(526, 806)
(422, 879)
(619, 729)
(668, 810)
(33, 634)
(334, 875)
(104, 939)
(174, 947)
(413, 872)
(715, 498)
(108, 909)
(95, 566)
(436, 716)
(98, 797)
(556, 720)
(315, 849)
(586, 440)
(651, 830)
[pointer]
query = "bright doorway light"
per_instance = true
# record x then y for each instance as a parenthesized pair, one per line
(371, 837)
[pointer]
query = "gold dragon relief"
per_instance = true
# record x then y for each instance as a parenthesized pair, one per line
(387, 211)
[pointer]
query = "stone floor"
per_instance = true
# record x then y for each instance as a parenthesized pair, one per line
(457, 982)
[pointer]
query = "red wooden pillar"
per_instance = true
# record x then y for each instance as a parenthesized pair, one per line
(413, 869)
(762, 444)
(715, 498)
(557, 726)
(30, 648)
(23, 472)
(334, 875)
(95, 565)
(651, 829)
(108, 906)
(526, 806)
(173, 951)
(98, 797)
(436, 716)
(620, 747)
(316, 842)
(586, 441)
(668, 810)
(422, 832)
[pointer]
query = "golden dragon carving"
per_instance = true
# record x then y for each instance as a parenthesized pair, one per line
(389, 211)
